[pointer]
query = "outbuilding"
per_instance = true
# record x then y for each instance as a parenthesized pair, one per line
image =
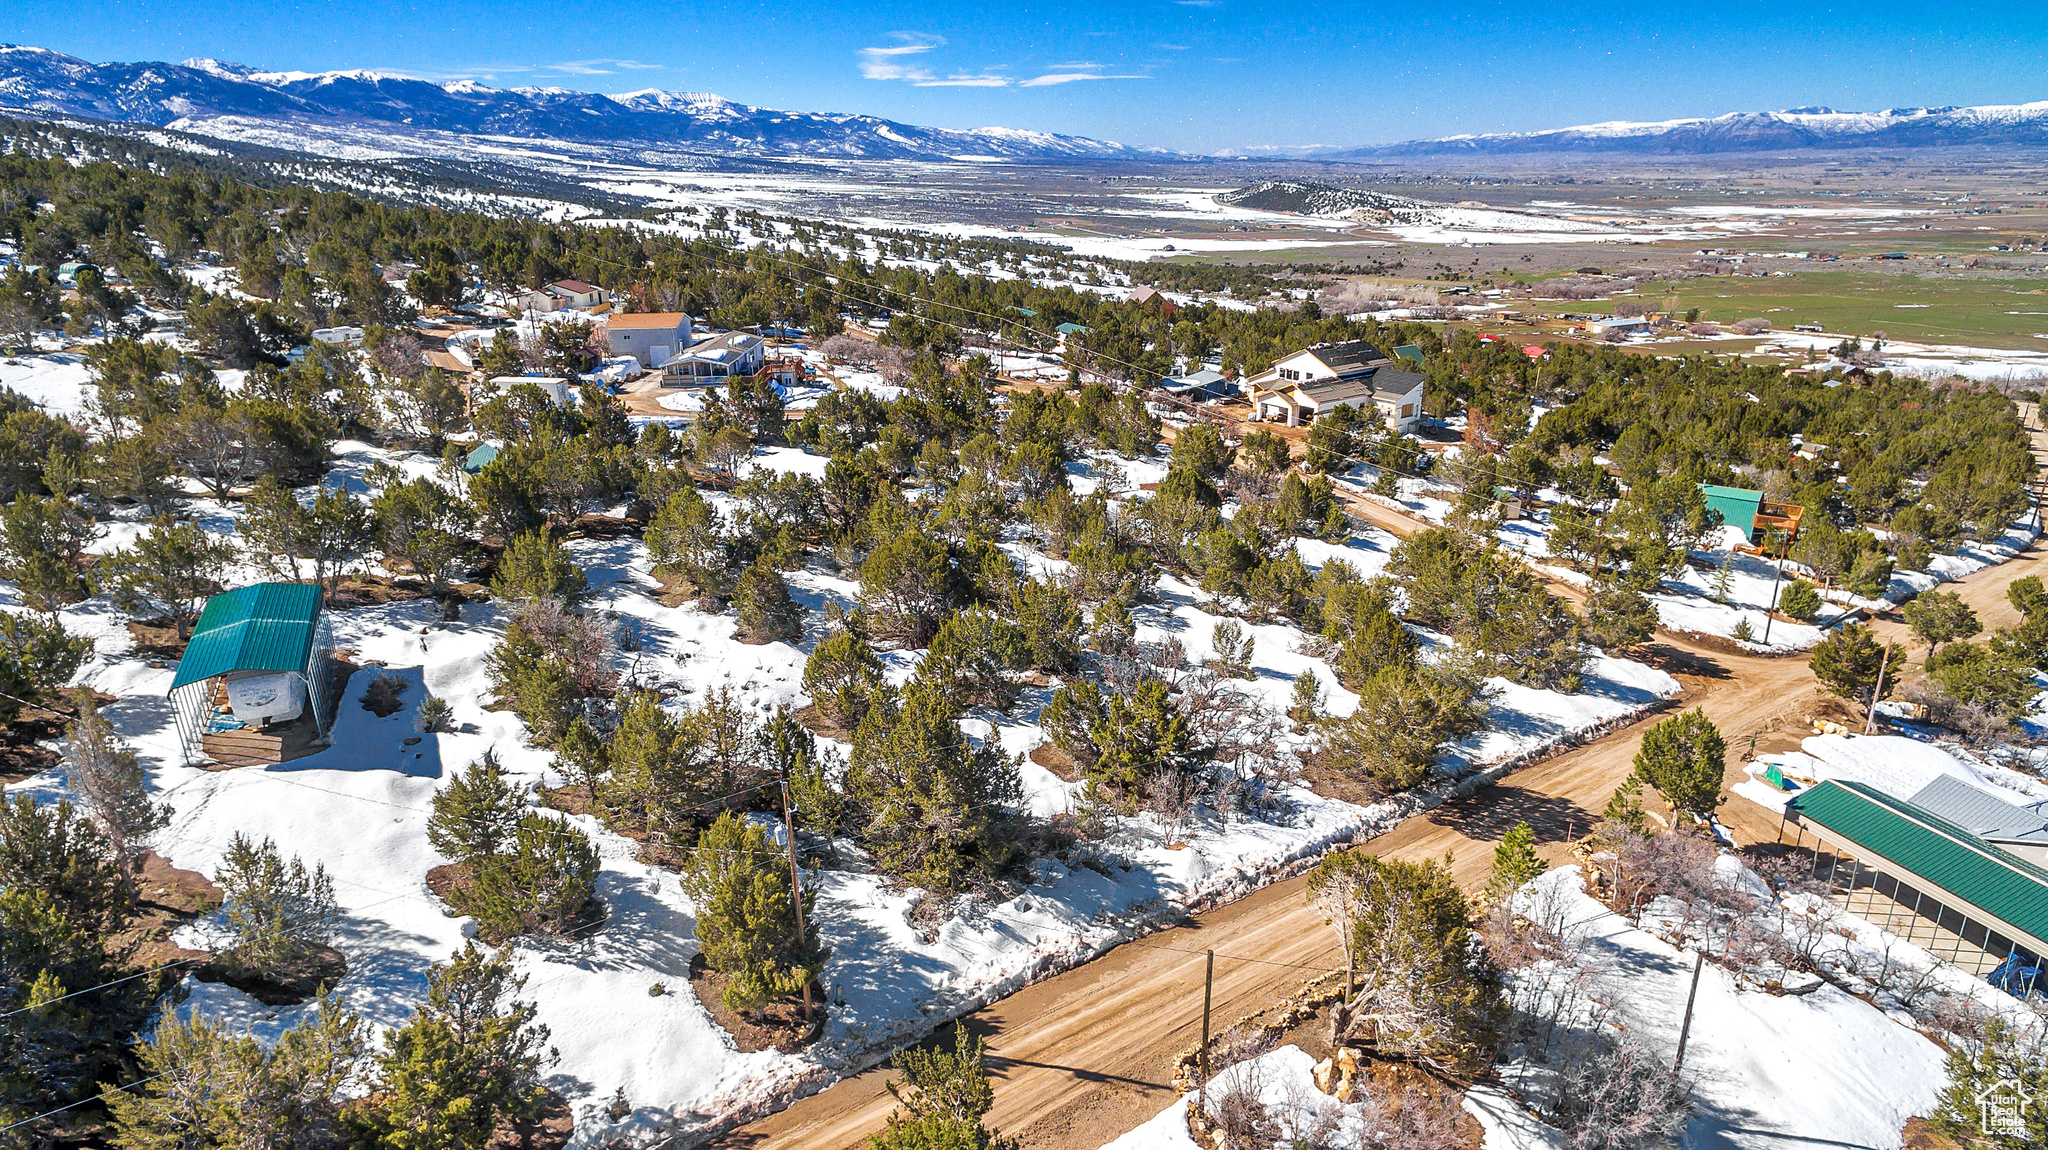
(651, 338)
(257, 680)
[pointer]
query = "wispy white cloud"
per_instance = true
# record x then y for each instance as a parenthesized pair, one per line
(983, 80)
(1072, 77)
(1199, 3)
(597, 67)
(891, 62)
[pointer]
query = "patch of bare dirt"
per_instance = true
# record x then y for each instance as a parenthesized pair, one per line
(156, 638)
(166, 898)
(811, 719)
(1920, 1134)
(372, 590)
(549, 1129)
(1057, 761)
(605, 527)
(778, 1026)
(281, 987)
(574, 800)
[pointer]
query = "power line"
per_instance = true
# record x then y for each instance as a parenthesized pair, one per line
(83, 1101)
(102, 986)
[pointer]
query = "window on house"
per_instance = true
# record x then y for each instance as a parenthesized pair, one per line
(1407, 410)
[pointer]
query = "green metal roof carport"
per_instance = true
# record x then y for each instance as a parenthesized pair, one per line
(276, 627)
(1993, 885)
(1737, 506)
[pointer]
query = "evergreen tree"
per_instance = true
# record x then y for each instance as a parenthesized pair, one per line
(1799, 600)
(42, 550)
(1619, 617)
(423, 528)
(767, 614)
(1307, 705)
(63, 901)
(941, 1100)
(1405, 718)
(1420, 993)
(970, 657)
(204, 1087)
(1233, 649)
(1050, 618)
(1199, 447)
(1624, 810)
(469, 1060)
(173, 567)
(111, 784)
(908, 587)
(687, 539)
(282, 914)
(535, 565)
(1515, 862)
(37, 657)
(1938, 617)
(476, 814)
(935, 802)
(541, 883)
(1849, 662)
(1684, 758)
(2011, 1060)
(842, 677)
(746, 918)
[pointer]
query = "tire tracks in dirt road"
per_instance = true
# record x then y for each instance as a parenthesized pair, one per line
(1087, 1054)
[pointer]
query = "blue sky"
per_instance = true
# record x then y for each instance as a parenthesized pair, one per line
(1198, 75)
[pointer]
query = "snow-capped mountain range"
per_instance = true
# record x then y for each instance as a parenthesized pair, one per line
(198, 93)
(1794, 129)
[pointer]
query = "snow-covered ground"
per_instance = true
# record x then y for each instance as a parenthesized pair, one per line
(1819, 1070)
(359, 808)
(1895, 764)
(1691, 600)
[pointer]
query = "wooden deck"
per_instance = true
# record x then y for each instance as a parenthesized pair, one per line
(275, 743)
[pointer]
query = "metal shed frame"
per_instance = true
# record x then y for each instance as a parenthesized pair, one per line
(261, 628)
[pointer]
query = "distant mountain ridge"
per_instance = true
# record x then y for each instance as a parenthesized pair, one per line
(187, 96)
(1809, 128)
(1310, 198)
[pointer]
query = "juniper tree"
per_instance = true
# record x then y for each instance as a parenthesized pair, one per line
(42, 550)
(1684, 758)
(1050, 618)
(842, 677)
(535, 565)
(37, 657)
(1420, 994)
(538, 882)
(469, 1059)
(1850, 661)
(63, 900)
(282, 914)
(476, 814)
(933, 800)
(746, 917)
(1405, 718)
(1515, 862)
(1938, 617)
(941, 1099)
(908, 586)
(1619, 617)
(111, 784)
(767, 614)
(687, 539)
(204, 1086)
(1799, 600)
(1306, 706)
(971, 655)
(173, 567)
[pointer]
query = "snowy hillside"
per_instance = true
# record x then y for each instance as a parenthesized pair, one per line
(196, 93)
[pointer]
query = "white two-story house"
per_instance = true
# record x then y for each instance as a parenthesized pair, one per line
(1315, 381)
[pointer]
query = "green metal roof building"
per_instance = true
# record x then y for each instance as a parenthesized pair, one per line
(258, 632)
(1999, 900)
(1738, 507)
(475, 460)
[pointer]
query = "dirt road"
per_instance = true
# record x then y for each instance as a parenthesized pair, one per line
(1088, 1054)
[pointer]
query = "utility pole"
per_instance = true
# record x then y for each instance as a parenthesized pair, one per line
(1202, 1059)
(1877, 692)
(796, 887)
(1685, 1028)
(1777, 573)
